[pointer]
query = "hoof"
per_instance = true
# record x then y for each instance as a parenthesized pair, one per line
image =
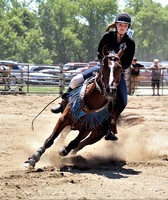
(30, 164)
(62, 151)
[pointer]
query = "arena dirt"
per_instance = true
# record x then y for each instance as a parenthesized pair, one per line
(134, 167)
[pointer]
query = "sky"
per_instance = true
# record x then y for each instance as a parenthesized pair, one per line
(121, 2)
(162, 2)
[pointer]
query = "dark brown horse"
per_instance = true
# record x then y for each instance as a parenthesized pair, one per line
(87, 109)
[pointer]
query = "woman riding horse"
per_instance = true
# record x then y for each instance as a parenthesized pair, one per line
(83, 113)
(115, 38)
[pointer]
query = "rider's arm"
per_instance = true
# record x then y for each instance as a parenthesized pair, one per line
(126, 58)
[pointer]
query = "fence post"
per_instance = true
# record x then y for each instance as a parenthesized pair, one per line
(128, 81)
(61, 80)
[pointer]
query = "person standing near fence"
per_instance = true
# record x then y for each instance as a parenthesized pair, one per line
(135, 71)
(156, 75)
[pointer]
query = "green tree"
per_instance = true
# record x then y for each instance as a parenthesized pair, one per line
(96, 15)
(59, 24)
(73, 28)
(21, 37)
(150, 26)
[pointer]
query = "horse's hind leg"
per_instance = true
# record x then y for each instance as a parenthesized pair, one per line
(61, 124)
(63, 151)
(94, 137)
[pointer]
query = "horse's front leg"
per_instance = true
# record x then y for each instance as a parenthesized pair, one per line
(61, 124)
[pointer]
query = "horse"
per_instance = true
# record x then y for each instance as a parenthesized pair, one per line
(83, 113)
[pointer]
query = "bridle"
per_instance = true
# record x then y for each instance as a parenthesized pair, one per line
(111, 64)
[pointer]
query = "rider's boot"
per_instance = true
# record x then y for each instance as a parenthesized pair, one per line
(62, 105)
(110, 131)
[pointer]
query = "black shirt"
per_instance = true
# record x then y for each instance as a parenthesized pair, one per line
(110, 39)
(135, 70)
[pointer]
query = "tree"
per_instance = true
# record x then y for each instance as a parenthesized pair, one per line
(96, 15)
(150, 26)
(22, 39)
(60, 31)
(59, 24)
(73, 28)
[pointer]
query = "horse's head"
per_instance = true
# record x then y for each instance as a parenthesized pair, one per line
(110, 74)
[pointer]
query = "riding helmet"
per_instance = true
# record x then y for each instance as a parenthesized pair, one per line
(123, 18)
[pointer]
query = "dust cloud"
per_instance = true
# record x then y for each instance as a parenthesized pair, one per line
(134, 144)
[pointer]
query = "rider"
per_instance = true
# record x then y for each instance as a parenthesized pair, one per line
(115, 38)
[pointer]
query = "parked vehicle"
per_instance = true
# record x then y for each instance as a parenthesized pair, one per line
(40, 74)
(74, 66)
(54, 71)
(36, 68)
(39, 78)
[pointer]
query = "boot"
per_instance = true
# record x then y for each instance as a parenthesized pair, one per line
(60, 108)
(110, 130)
(110, 135)
(62, 105)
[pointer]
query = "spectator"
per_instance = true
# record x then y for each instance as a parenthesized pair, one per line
(156, 74)
(135, 71)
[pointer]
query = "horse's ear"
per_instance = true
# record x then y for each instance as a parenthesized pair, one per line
(105, 50)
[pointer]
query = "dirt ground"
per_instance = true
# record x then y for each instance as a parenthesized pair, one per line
(134, 167)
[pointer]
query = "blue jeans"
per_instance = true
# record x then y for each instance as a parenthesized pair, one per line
(90, 72)
(122, 97)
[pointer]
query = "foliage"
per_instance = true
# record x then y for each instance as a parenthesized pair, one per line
(150, 25)
(60, 31)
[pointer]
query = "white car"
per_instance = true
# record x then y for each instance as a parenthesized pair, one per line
(39, 78)
(74, 66)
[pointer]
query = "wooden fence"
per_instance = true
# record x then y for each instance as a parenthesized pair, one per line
(57, 84)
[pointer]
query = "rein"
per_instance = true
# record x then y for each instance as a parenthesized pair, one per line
(32, 125)
(82, 94)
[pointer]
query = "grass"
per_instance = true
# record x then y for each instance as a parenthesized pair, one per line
(39, 89)
(55, 89)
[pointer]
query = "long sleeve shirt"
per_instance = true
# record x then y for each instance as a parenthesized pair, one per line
(110, 39)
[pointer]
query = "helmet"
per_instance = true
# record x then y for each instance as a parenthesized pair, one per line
(123, 18)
